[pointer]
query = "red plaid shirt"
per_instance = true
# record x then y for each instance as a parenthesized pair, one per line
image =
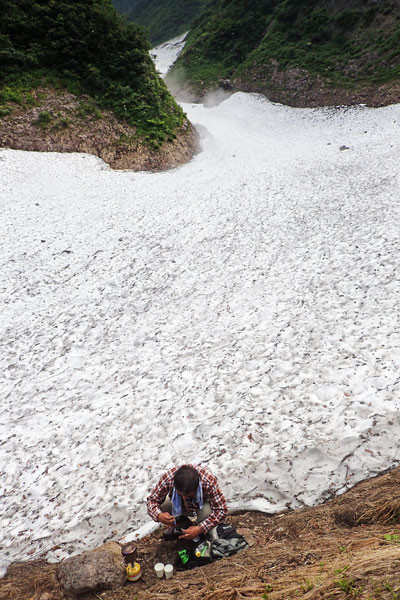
(211, 492)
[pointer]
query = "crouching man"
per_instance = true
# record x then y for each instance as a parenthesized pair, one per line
(188, 490)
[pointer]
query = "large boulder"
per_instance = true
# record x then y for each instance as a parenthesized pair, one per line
(93, 571)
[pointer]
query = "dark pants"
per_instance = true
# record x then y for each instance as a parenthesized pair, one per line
(202, 513)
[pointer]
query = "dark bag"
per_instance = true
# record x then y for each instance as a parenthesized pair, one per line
(187, 558)
(229, 542)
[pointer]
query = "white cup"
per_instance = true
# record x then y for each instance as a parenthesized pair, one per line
(168, 571)
(159, 569)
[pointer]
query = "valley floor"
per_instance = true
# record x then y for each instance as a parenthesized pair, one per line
(241, 311)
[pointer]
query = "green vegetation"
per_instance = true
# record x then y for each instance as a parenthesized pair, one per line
(64, 122)
(8, 94)
(394, 538)
(393, 589)
(87, 48)
(44, 119)
(88, 109)
(125, 6)
(4, 111)
(347, 47)
(307, 585)
(340, 46)
(348, 585)
(222, 38)
(19, 94)
(164, 19)
(268, 589)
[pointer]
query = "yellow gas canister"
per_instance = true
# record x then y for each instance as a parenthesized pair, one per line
(133, 572)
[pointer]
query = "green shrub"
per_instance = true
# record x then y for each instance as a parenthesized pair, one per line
(369, 15)
(44, 119)
(347, 19)
(4, 111)
(88, 109)
(388, 8)
(167, 19)
(64, 123)
(11, 94)
(286, 13)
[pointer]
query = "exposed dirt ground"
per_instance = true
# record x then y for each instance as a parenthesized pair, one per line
(296, 87)
(59, 121)
(348, 547)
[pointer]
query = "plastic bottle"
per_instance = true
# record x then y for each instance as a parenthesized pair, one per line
(203, 550)
(133, 572)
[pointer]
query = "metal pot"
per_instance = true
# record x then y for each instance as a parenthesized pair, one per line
(129, 552)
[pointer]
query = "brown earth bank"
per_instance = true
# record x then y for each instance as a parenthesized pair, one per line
(62, 122)
(298, 88)
(349, 547)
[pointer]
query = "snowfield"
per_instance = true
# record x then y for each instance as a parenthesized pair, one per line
(241, 312)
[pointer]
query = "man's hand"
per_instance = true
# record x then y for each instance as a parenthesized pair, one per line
(166, 519)
(191, 532)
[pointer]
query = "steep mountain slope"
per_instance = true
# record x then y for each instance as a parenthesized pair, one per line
(84, 49)
(124, 6)
(304, 52)
(164, 19)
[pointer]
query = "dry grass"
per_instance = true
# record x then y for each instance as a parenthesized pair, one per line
(334, 551)
(382, 512)
(34, 580)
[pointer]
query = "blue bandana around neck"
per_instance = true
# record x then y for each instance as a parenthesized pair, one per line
(177, 500)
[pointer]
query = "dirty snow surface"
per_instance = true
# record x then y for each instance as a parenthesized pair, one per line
(241, 312)
(166, 54)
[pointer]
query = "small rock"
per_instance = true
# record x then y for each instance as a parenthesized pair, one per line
(344, 148)
(97, 570)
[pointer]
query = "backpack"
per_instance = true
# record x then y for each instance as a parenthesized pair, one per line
(229, 542)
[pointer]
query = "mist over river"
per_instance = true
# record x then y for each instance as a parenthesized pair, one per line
(241, 312)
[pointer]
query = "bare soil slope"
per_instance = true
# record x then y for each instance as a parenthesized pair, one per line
(59, 121)
(348, 547)
(297, 87)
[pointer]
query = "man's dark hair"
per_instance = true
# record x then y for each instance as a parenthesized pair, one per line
(186, 480)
